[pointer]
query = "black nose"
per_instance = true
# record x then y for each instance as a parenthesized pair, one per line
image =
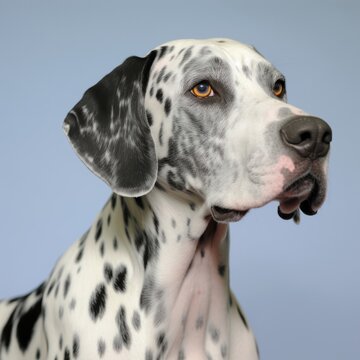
(308, 135)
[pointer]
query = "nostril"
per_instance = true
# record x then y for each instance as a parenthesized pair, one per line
(327, 137)
(304, 136)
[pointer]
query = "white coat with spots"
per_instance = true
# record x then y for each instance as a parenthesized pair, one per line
(189, 138)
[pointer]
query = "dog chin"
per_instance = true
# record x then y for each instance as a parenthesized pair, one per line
(225, 215)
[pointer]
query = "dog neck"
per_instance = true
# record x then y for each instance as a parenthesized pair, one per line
(183, 256)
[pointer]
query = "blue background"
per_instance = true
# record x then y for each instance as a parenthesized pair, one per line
(299, 285)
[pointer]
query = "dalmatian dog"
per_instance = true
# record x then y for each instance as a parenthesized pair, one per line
(189, 138)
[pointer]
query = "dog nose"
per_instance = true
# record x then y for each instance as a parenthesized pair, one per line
(308, 135)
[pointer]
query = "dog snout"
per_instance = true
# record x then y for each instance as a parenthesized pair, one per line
(309, 136)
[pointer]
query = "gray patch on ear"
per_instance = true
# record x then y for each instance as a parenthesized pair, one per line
(109, 130)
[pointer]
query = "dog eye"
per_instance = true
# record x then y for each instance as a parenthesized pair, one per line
(279, 88)
(203, 90)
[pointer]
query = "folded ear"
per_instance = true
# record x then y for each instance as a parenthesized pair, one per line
(109, 130)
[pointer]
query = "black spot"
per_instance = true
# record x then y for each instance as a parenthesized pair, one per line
(221, 270)
(160, 339)
(6, 334)
(202, 253)
(79, 255)
(167, 76)
(186, 56)
(149, 117)
(51, 286)
(147, 254)
(151, 94)
(40, 289)
(125, 211)
(108, 219)
(217, 60)
(246, 70)
(161, 132)
(83, 239)
(127, 234)
(26, 324)
(176, 180)
(67, 354)
(113, 201)
(123, 327)
(98, 302)
(156, 223)
(108, 272)
(149, 244)
(38, 354)
(60, 342)
(160, 96)
(139, 202)
(214, 334)
(167, 106)
(162, 342)
(98, 230)
(120, 278)
(161, 74)
(102, 249)
(163, 51)
(76, 346)
(57, 289)
(101, 347)
(67, 284)
(136, 320)
(115, 243)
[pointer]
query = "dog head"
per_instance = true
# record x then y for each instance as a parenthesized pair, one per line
(206, 117)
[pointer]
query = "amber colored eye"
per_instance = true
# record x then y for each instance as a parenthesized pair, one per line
(203, 90)
(279, 88)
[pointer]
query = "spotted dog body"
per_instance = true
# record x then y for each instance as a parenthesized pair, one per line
(150, 278)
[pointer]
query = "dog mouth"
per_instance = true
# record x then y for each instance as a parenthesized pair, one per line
(306, 193)
(224, 215)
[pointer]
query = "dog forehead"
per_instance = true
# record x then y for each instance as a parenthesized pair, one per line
(184, 54)
(218, 46)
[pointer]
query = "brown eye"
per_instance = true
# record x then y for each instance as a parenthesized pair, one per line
(203, 90)
(279, 88)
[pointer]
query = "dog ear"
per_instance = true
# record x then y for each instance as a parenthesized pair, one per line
(109, 130)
